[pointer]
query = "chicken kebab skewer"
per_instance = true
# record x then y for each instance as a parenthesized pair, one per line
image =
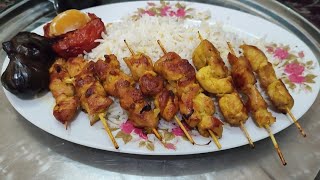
(215, 78)
(122, 86)
(244, 80)
(153, 85)
(67, 102)
(93, 99)
(196, 108)
(276, 90)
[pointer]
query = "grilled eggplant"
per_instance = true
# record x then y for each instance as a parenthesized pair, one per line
(30, 58)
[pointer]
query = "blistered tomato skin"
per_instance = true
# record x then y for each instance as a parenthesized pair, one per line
(78, 41)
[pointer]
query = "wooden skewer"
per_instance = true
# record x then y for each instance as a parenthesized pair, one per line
(296, 123)
(175, 117)
(243, 128)
(154, 130)
(106, 127)
(184, 129)
(156, 133)
(276, 146)
(162, 47)
(131, 51)
(66, 125)
(199, 35)
(288, 110)
(215, 139)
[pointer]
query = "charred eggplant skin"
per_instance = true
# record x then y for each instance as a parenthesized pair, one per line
(27, 73)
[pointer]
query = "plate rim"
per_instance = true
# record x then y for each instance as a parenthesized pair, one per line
(151, 153)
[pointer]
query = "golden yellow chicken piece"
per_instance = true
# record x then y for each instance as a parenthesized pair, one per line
(204, 107)
(245, 80)
(263, 118)
(276, 90)
(206, 54)
(208, 80)
(139, 64)
(266, 75)
(280, 96)
(232, 109)
(256, 57)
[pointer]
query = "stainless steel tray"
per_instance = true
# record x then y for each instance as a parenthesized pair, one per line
(26, 152)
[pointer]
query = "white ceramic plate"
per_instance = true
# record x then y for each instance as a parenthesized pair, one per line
(304, 89)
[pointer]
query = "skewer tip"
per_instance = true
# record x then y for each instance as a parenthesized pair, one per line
(215, 139)
(296, 123)
(184, 130)
(106, 127)
(199, 35)
(66, 125)
(276, 146)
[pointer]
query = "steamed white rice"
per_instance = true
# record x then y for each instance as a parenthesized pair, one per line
(175, 34)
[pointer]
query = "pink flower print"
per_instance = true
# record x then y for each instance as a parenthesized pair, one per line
(140, 133)
(301, 54)
(281, 53)
(170, 146)
(181, 13)
(270, 49)
(172, 13)
(164, 10)
(127, 127)
(178, 131)
(294, 68)
(295, 78)
(150, 13)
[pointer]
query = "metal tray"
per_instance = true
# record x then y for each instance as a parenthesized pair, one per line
(27, 152)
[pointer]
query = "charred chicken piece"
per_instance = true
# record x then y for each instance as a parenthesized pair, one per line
(92, 96)
(109, 75)
(153, 85)
(120, 85)
(172, 67)
(139, 64)
(67, 102)
(196, 108)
